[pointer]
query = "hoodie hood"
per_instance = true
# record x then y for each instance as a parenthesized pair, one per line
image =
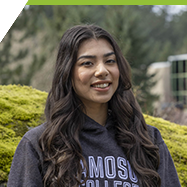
(106, 161)
(92, 126)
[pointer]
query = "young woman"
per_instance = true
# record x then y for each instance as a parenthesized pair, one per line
(95, 134)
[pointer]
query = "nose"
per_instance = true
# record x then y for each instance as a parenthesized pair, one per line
(101, 70)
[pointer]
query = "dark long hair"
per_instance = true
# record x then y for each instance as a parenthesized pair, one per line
(60, 141)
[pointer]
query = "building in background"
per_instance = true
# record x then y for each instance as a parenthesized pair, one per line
(163, 85)
(9, 10)
(179, 78)
(171, 86)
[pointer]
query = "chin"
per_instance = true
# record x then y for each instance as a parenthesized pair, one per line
(103, 100)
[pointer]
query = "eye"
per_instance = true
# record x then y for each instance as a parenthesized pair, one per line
(87, 63)
(110, 61)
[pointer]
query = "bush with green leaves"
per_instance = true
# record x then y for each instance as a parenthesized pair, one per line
(22, 108)
(8, 143)
(175, 137)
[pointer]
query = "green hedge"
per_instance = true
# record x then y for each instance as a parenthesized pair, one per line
(22, 108)
(175, 137)
(8, 143)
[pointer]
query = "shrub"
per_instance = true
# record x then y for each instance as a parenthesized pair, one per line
(175, 137)
(22, 108)
(8, 143)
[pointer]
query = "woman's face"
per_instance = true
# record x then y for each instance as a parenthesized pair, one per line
(95, 75)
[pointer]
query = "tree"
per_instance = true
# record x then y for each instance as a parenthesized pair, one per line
(143, 36)
(13, 70)
(125, 24)
(179, 34)
(52, 22)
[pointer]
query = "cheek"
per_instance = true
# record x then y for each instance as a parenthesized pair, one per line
(115, 73)
(81, 77)
(84, 77)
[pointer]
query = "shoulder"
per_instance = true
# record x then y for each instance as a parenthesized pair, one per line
(27, 164)
(155, 135)
(166, 169)
(34, 134)
(29, 143)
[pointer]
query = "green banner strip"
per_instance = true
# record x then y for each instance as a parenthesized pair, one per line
(107, 2)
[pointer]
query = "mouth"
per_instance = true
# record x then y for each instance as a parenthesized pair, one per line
(104, 85)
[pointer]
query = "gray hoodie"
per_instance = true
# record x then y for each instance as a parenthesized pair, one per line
(107, 163)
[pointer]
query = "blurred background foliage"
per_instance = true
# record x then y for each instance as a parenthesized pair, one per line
(28, 51)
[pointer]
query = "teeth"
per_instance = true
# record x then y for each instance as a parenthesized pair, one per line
(101, 85)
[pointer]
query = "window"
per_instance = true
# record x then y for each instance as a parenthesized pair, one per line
(179, 80)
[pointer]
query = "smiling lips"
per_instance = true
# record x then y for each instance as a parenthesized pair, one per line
(101, 85)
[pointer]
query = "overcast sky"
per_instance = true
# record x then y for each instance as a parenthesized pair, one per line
(172, 9)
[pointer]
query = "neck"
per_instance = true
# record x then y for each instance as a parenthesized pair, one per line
(98, 113)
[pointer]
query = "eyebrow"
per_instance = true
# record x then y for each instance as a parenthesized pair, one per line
(93, 56)
(109, 54)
